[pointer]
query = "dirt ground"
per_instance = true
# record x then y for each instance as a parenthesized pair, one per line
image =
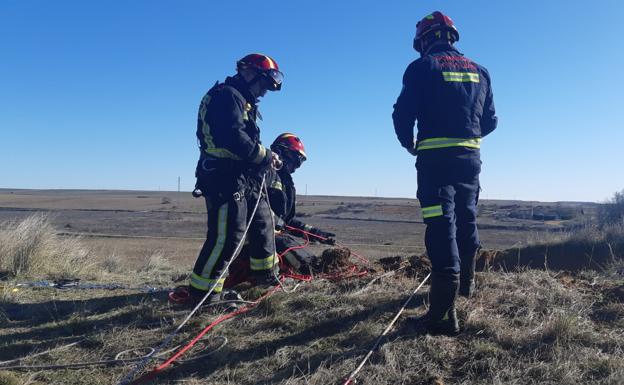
(136, 224)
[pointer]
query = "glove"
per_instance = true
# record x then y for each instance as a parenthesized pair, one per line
(279, 223)
(329, 237)
(276, 162)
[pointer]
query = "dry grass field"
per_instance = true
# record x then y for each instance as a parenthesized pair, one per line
(549, 307)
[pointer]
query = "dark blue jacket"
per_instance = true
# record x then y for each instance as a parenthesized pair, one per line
(231, 154)
(451, 98)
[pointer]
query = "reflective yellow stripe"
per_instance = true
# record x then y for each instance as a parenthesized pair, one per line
(215, 254)
(264, 263)
(207, 283)
(203, 110)
(277, 185)
(431, 143)
(221, 153)
(261, 154)
(461, 77)
(432, 211)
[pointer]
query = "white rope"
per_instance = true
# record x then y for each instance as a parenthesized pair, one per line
(127, 379)
(396, 317)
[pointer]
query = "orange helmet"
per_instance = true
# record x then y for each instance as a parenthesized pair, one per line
(265, 66)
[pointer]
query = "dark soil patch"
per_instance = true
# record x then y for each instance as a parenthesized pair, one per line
(335, 260)
(564, 256)
(416, 265)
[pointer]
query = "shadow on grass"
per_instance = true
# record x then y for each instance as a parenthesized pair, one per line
(34, 314)
(52, 323)
(324, 329)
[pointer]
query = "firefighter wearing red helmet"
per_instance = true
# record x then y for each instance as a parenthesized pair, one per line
(450, 96)
(282, 196)
(229, 174)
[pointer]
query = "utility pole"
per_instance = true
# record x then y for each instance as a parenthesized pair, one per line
(178, 196)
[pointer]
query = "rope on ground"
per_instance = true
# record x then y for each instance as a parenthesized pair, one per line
(128, 378)
(57, 348)
(152, 374)
(112, 362)
(351, 377)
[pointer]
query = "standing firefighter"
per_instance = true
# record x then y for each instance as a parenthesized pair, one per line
(230, 172)
(451, 98)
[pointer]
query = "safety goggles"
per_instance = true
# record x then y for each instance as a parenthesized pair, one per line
(294, 158)
(274, 78)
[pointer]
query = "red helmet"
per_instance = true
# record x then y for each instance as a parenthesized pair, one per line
(437, 21)
(265, 66)
(292, 146)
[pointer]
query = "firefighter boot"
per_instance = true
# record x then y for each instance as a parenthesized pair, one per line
(266, 278)
(225, 301)
(441, 319)
(466, 275)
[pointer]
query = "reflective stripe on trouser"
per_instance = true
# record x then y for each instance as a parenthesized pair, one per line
(432, 211)
(226, 225)
(206, 284)
(433, 143)
(267, 263)
(227, 219)
(448, 193)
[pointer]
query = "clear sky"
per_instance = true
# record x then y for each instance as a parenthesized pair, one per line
(104, 94)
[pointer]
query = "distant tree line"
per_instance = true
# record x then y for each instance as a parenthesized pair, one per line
(612, 211)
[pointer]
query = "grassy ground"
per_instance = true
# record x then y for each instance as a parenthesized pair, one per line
(523, 327)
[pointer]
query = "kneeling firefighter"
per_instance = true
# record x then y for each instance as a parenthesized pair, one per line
(230, 171)
(282, 197)
(451, 97)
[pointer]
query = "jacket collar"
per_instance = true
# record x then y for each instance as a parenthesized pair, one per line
(443, 48)
(237, 82)
(285, 176)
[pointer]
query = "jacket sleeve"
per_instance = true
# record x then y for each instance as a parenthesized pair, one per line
(233, 136)
(404, 115)
(489, 120)
(277, 197)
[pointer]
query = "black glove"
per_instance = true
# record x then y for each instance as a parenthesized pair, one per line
(329, 237)
(279, 223)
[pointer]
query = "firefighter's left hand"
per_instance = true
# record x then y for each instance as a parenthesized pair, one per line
(328, 237)
(276, 162)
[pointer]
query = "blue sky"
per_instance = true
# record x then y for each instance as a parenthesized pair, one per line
(104, 94)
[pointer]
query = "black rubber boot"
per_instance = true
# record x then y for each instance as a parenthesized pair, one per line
(441, 319)
(266, 278)
(466, 275)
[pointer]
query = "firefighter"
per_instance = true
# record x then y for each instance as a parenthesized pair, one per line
(230, 170)
(451, 98)
(282, 197)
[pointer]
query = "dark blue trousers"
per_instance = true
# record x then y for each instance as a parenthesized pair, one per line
(448, 191)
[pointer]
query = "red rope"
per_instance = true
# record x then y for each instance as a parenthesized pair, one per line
(350, 272)
(149, 376)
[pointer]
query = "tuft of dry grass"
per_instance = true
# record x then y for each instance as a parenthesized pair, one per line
(31, 248)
